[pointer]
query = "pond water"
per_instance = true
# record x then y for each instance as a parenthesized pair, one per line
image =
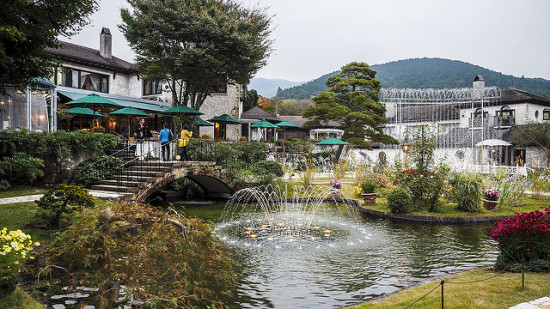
(361, 258)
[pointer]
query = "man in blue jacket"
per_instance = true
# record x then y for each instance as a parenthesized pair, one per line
(165, 137)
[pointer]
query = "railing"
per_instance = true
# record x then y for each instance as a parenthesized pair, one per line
(493, 169)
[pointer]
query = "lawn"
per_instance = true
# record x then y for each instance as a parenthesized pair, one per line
(20, 300)
(21, 191)
(471, 290)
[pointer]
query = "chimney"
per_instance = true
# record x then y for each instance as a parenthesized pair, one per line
(105, 43)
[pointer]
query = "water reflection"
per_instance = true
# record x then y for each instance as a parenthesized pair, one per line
(378, 257)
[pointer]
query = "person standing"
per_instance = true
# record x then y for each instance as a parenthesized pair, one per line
(184, 141)
(142, 131)
(165, 137)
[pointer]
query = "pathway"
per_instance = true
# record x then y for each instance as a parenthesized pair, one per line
(541, 303)
(32, 198)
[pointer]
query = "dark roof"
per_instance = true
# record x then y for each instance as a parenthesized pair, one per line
(90, 57)
(297, 120)
(422, 113)
(258, 113)
(513, 95)
(478, 78)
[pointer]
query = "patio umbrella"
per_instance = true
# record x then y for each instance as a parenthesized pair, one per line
(493, 142)
(223, 120)
(201, 123)
(182, 110)
(332, 141)
(285, 125)
(83, 111)
(94, 101)
(263, 124)
(130, 111)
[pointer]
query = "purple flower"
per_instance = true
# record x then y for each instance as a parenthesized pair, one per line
(491, 194)
(335, 183)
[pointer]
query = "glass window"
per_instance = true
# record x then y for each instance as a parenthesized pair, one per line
(151, 87)
(546, 114)
(82, 79)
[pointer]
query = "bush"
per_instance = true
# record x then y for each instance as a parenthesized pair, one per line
(104, 247)
(88, 174)
(467, 191)
(399, 201)
(15, 246)
(65, 199)
(21, 168)
(368, 186)
(267, 167)
(524, 241)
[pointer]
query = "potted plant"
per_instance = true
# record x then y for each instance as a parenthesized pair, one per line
(369, 196)
(490, 198)
(336, 185)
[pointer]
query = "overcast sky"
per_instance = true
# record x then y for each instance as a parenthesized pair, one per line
(316, 37)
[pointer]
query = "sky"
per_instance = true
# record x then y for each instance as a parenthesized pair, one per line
(315, 37)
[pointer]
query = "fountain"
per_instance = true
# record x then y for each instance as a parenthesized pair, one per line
(265, 216)
(311, 251)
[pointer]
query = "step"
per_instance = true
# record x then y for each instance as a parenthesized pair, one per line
(140, 173)
(109, 188)
(137, 177)
(114, 182)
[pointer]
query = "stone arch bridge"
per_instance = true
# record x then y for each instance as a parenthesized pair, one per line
(142, 179)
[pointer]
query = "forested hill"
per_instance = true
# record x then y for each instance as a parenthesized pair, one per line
(427, 73)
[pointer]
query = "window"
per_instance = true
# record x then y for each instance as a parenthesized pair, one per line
(81, 79)
(151, 87)
(505, 116)
(546, 114)
(220, 88)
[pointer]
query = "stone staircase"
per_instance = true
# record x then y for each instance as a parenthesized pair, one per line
(137, 176)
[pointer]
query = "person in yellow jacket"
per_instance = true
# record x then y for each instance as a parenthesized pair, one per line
(184, 141)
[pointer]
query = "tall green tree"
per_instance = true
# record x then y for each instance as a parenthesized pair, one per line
(352, 102)
(196, 45)
(27, 28)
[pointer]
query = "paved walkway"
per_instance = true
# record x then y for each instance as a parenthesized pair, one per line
(543, 303)
(32, 198)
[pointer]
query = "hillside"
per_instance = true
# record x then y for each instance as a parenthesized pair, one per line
(427, 73)
(268, 87)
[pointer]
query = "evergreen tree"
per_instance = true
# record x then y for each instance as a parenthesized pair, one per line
(353, 102)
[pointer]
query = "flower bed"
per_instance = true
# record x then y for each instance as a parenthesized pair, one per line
(524, 241)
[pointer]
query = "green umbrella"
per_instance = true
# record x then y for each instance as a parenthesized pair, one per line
(83, 111)
(264, 124)
(130, 111)
(93, 100)
(182, 110)
(225, 118)
(286, 124)
(201, 123)
(332, 141)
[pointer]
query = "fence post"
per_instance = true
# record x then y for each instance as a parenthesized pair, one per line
(442, 294)
(523, 278)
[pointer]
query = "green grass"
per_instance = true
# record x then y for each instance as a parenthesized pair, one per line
(502, 291)
(20, 300)
(17, 216)
(22, 191)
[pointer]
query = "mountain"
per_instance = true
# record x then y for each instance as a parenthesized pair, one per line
(268, 87)
(427, 73)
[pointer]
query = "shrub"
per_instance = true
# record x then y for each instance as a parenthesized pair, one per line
(524, 241)
(104, 247)
(424, 187)
(15, 247)
(467, 191)
(21, 168)
(399, 201)
(368, 186)
(267, 167)
(65, 199)
(539, 183)
(93, 171)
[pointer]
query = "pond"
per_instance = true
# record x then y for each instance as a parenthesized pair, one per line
(361, 258)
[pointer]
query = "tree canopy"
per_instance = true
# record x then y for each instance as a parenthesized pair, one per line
(196, 45)
(352, 102)
(27, 28)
